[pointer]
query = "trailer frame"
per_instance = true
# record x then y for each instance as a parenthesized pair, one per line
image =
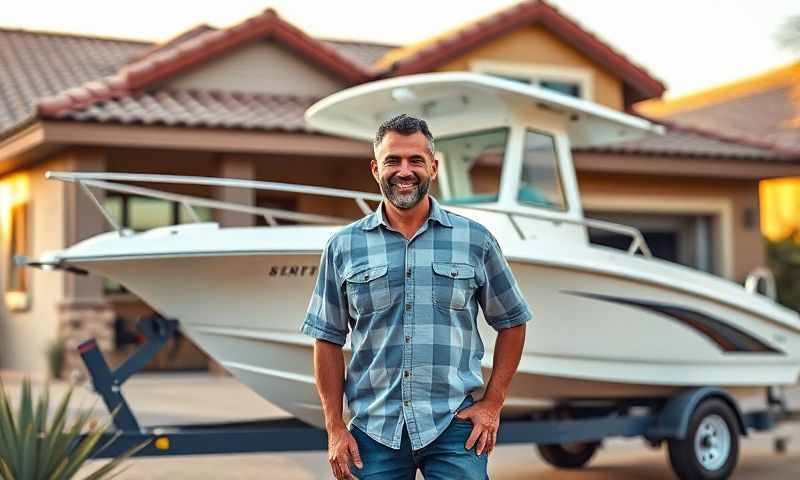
(582, 422)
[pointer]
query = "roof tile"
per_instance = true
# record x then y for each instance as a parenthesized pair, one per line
(34, 65)
(200, 108)
(683, 141)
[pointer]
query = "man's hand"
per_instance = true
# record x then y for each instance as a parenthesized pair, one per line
(485, 417)
(342, 449)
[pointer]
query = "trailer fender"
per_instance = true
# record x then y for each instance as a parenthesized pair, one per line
(672, 421)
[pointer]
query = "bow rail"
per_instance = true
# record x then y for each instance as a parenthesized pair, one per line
(110, 181)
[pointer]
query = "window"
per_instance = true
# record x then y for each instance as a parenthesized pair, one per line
(575, 82)
(16, 294)
(146, 213)
(526, 80)
(540, 183)
(469, 166)
(567, 88)
(143, 213)
(572, 89)
(278, 203)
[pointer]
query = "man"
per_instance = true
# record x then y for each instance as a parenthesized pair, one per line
(406, 282)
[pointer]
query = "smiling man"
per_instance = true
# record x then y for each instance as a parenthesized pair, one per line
(405, 282)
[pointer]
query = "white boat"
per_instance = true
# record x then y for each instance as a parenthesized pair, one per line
(607, 323)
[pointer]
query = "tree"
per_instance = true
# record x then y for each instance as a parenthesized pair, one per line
(783, 258)
(788, 35)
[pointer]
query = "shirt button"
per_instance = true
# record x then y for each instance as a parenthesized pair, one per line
(408, 273)
(406, 403)
(408, 339)
(454, 273)
(408, 307)
(406, 374)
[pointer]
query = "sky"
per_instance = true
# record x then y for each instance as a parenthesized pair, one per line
(688, 44)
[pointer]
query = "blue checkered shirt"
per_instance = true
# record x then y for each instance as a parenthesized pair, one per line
(411, 309)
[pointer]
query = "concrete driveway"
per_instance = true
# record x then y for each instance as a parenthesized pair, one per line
(199, 398)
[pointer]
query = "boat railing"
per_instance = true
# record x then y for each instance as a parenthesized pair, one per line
(111, 181)
(754, 279)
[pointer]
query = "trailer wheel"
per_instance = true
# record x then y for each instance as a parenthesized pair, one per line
(711, 447)
(567, 455)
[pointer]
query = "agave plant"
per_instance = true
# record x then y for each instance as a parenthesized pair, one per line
(31, 448)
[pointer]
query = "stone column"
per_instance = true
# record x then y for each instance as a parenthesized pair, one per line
(238, 168)
(80, 320)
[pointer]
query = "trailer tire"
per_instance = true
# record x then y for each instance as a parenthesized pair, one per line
(573, 455)
(710, 449)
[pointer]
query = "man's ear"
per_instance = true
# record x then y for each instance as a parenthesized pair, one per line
(434, 169)
(373, 166)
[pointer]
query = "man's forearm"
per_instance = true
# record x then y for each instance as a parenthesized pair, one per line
(329, 375)
(507, 353)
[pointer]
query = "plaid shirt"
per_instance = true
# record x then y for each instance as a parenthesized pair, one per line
(411, 308)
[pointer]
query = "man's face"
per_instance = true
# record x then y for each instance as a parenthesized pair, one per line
(404, 168)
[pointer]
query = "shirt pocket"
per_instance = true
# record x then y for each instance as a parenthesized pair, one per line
(368, 289)
(453, 285)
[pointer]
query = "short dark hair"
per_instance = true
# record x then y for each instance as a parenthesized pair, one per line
(404, 125)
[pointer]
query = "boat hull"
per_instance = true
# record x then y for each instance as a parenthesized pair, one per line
(592, 336)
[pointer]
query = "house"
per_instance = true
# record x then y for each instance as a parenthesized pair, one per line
(763, 109)
(229, 102)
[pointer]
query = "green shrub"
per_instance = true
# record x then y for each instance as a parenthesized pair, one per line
(783, 258)
(31, 448)
(55, 358)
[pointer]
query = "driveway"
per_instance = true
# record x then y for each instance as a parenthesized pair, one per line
(198, 398)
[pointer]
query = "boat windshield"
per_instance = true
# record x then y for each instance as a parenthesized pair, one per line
(540, 184)
(470, 165)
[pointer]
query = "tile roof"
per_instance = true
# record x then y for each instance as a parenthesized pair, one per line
(362, 53)
(200, 108)
(768, 116)
(173, 58)
(764, 108)
(34, 65)
(690, 142)
(426, 55)
(172, 42)
(203, 45)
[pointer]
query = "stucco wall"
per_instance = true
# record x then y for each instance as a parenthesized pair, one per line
(26, 335)
(261, 66)
(535, 45)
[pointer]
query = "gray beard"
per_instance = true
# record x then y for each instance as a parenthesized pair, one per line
(404, 201)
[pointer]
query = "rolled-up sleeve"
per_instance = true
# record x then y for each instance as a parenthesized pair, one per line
(500, 297)
(327, 317)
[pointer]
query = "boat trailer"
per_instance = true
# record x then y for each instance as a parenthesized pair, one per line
(574, 423)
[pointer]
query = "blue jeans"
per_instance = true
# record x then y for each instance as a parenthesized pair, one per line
(443, 459)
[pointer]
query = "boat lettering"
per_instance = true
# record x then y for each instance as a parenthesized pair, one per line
(292, 270)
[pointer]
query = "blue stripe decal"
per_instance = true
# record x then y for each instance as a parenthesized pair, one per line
(729, 338)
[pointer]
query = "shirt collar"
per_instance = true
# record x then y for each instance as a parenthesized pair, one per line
(436, 213)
